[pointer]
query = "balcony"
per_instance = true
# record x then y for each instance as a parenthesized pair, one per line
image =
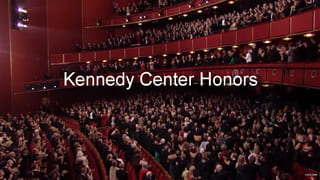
(305, 75)
(154, 15)
(298, 24)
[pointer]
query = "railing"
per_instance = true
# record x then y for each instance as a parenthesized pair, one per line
(154, 15)
(90, 147)
(294, 74)
(301, 23)
(160, 172)
(157, 168)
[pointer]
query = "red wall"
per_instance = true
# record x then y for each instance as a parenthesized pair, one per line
(123, 3)
(64, 25)
(29, 57)
(96, 9)
(5, 89)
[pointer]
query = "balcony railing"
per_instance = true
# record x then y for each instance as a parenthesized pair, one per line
(301, 23)
(305, 75)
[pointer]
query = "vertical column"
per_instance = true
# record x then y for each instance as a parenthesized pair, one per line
(5, 59)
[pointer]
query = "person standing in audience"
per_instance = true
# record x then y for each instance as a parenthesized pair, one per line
(113, 171)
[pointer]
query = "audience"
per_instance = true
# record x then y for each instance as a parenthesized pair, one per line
(35, 146)
(143, 5)
(190, 133)
(300, 50)
(204, 26)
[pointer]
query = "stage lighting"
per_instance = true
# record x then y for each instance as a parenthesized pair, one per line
(124, 26)
(21, 25)
(215, 7)
(206, 50)
(21, 10)
(235, 46)
(32, 89)
(199, 11)
(149, 57)
(120, 59)
(136, 58)
(231, 2)
(139, 24)
(185, 15)
(251, 44)
(164, 55)
(191, 52)
(104, 61)
(44, 87)
(170, 18)
(88, 62)
(220, 48)
(178, 54)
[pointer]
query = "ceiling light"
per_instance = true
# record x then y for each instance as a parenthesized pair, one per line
(265, 85)
(235, 46)
(251, 44)
(178, 54)
(231, 2)
(88, 62)
(185, 15)
(127, 20)
(214, 7)
(124, 26)
(170, 18)
(149, 57)
(140, 24)
(220, 48)
(104, 61)
(199, 11)
(191, 52)
(136, 58)
(206, 50)
(287, 39)
(308, 35)
(164, 55)
(120, 59)
(266, 41)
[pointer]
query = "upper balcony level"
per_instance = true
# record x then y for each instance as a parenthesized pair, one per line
(157, 13)
(305, 22)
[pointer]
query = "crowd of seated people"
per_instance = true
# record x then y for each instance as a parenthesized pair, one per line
(302, 50)
(204, 136)
(205, 26)
(35, 146)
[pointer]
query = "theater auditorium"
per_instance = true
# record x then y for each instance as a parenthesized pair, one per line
(159, 90)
